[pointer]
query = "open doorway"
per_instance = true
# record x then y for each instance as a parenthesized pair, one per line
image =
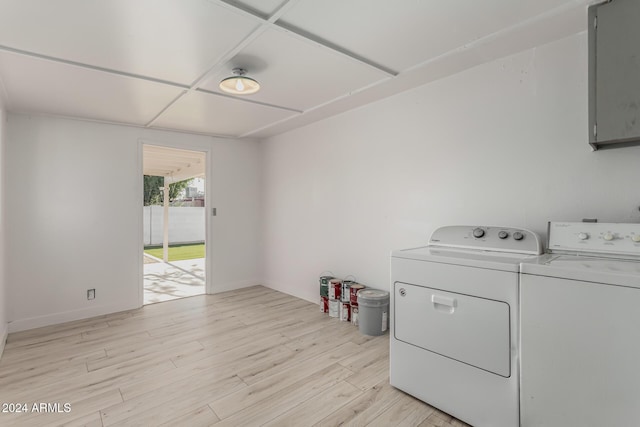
(173, 223)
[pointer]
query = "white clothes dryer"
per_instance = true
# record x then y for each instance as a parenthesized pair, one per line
(454, 321)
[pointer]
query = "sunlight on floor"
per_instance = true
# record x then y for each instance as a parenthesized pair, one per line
(176, 279)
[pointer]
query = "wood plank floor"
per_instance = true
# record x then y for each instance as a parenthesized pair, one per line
(241, 358)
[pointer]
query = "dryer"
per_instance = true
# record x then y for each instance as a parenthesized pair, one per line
(580, 328)
(454, 321)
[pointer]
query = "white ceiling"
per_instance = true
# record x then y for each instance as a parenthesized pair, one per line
(157, 63)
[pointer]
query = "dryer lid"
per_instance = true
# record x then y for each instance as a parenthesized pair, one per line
(503, 261)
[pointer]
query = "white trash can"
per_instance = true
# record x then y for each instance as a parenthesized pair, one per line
(373, 314)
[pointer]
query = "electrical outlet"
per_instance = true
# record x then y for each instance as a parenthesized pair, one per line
(91, 294)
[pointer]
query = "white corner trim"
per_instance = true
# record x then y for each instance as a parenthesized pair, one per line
(232, 286)
(67, 316)
(3, 337)
(273, 284)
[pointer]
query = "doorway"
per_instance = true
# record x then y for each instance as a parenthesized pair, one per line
(174, 223)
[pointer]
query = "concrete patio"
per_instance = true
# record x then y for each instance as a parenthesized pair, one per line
(172, 280)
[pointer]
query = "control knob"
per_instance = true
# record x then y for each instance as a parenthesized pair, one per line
(607, 236)
(503, 234)
(636, 238)
(518, 235)
(478, 233)
(583, 236)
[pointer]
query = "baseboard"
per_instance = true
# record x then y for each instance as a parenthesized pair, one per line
(232, 286)
(85, 313)
(3, 337)
(276, 285)
(67, 316)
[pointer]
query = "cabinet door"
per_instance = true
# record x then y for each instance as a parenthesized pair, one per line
(614, 73)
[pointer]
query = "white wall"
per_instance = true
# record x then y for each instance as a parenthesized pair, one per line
(236, 240)
(76, 220)
(504, 143)
(3, 283)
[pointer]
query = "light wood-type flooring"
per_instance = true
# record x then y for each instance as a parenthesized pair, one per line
(248, 357)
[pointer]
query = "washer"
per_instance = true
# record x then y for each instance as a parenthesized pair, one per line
(454, 321)
(580, 320)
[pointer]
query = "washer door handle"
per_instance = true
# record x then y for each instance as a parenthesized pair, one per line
(445, 304)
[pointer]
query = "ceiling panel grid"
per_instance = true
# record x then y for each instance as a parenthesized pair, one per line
(157, 63)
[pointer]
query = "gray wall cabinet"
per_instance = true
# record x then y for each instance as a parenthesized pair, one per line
(614, 74)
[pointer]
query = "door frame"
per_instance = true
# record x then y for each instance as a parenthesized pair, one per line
(208, 197)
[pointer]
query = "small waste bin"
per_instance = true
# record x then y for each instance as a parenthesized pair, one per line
(373, 315)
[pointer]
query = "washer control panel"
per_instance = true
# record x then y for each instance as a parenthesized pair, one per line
(595, 237)
(499, 239)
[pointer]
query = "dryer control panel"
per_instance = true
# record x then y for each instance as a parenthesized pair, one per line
(489, 238)
(594, 237)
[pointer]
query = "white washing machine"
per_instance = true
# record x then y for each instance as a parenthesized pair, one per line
(454, 321)
(580, 328)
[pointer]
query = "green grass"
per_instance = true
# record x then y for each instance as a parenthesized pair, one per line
(178, 252)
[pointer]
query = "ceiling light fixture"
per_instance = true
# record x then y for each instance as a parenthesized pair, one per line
(239, 84)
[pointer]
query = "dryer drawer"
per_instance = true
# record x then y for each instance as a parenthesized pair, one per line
(465, 328)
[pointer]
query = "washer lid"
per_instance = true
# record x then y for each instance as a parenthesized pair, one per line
(604, 270)
(503, 261)
(599, 264)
